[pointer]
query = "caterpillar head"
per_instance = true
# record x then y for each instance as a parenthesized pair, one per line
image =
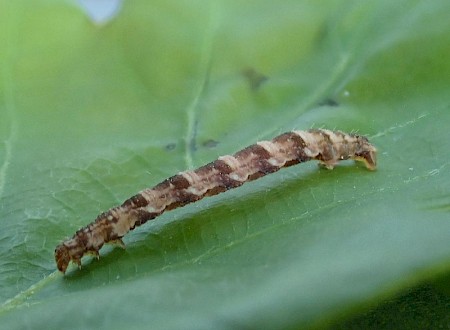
(62, 257)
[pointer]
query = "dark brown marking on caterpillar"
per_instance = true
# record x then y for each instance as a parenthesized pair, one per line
(135, 201)
(227, 172)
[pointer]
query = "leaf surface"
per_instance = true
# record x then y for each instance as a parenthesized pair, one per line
(90, 114)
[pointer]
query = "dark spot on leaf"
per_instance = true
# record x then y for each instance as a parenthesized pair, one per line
(255, 79)
(329, 102)
(170, 146)
(210, 143)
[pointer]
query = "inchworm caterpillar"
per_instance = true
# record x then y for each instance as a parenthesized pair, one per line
(255, 161)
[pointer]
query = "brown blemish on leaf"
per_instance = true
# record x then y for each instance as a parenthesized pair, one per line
(170, 146)
(210, 143)
(255, 79)
(329, 102)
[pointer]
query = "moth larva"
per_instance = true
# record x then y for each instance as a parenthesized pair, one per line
(255, 161)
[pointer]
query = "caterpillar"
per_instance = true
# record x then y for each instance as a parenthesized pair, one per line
(227, 172)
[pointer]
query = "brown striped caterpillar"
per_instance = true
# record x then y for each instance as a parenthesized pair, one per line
(226, 172)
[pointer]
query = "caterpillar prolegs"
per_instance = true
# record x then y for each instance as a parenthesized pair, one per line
(231, 171)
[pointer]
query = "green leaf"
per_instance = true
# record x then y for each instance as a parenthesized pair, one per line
(91, 114)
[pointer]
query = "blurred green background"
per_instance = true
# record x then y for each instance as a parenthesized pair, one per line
(91, 113)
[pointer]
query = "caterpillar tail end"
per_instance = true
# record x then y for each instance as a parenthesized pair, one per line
(368, 157)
